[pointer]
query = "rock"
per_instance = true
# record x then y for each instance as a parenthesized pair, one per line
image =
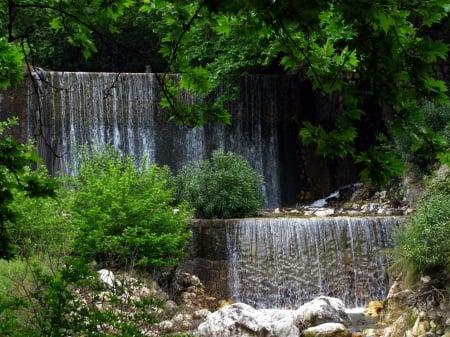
(324, 212)
(398, 302)
(399, 327)
(426, 279)
(421, 326)
(242, 320)
(107, 277)
(327, 330)
(225, 303)
(170, 307)
(165, 325)
(202, 314)
(321, 310)
(373, 309)
(428, 334)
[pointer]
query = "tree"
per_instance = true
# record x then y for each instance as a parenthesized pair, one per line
(391, 46)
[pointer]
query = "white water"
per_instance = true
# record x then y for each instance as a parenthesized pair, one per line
(285, 262)
(123, 110)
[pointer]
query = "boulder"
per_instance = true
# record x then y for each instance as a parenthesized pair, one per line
(321, 310)
(399, 327)
(107, 277)
(242, 320)
(327, 330)
(397, 303)
(373, 309)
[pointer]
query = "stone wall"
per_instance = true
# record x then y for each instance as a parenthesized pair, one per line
(208, 256)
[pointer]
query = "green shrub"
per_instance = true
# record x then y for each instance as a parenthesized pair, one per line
(71, 301)
(425, 241)
(425, 138)
(127, 216)
(41, 225)
(18, 174)
(224, 186)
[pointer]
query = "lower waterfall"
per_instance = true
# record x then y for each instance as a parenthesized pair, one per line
(285, 262)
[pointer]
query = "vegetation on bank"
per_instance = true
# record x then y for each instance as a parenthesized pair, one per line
(116, 214)
(423, 246)
(111, 214)
(223, 186)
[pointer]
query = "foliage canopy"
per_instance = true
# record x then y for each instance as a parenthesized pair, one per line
(377, 56)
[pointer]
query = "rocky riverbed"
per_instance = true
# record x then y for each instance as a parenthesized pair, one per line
(185, 309)
(188, 311)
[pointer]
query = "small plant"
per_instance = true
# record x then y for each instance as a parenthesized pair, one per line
(225, 186)
(425, 242)
(127, 216)
(425, 139)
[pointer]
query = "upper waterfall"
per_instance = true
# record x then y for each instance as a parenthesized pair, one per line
(62, 110)
(123, 110)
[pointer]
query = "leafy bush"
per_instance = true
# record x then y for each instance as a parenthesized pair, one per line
(127, 216)
(425, 138)
(41, 226)
(225, 186)
(425, 241)
(71, 301)
(17, 176)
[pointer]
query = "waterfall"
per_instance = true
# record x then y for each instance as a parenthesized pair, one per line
(122, 110)
(285, 262)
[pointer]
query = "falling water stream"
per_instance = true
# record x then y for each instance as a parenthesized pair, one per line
(279, 263)
(285, 262)
(77, 108)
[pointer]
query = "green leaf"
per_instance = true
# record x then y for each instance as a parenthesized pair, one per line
(444, 158)
(197, 79)
(435, 85)
(223, 26)
(56, 24)
(435, 49)
(385, 21)
(289, 62)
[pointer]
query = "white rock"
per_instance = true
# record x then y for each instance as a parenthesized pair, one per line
(107, 276)
(202, 313)
(324, 212)
(426, 279)
(326, 330)
(242, 320)
(165, 325)
(321, 310)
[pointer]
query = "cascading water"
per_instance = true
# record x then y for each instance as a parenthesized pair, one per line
(123, 110)
(285, 262)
